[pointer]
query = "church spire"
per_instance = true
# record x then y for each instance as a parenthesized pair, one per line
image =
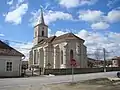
(41, 17)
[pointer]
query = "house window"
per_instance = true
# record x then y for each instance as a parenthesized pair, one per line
(8, 66)
(71, 54)
(42, 33)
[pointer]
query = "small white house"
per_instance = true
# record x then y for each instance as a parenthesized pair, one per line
(10, 61)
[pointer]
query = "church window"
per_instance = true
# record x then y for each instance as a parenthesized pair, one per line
(61, 57)
(42, 33)
(71, 54)
(42, 27)
(35, 57)
(35, 34)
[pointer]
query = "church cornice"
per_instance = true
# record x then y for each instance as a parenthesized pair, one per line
(40, 25)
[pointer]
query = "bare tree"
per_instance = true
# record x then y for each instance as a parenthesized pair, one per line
(97, 54)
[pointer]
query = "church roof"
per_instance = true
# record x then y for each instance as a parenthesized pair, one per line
(55, 39)
(67, 36)
(50, 39)
(6, 50)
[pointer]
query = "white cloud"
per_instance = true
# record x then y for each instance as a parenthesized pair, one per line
(10, 2)
(58, 33)
(2, 35)
(108, 40)
(113, 16)
(50, 16)
(21, 1)
(98, 16)
(23, 48)
(94, 40)
(75, 3)
(111, 3)
(50, 32)
(69, 4)
(100, 25)
(16, 15)
(91, 15)
(83, 33)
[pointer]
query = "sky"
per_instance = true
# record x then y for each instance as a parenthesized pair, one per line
(95, 21)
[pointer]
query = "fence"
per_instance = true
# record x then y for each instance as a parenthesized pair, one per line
(67, 71)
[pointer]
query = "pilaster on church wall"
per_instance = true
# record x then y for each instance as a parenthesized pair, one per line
(78, 53)
(45, 57)
(63, 47)
(85, 55)
(56, 50)
(50, 55)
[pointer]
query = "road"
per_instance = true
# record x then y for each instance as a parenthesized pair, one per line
(38, 82)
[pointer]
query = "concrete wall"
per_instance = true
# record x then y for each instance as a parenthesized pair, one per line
(16, 68)
(68, 71)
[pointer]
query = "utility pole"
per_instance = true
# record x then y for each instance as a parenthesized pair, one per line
(72, 73)
(104, 59)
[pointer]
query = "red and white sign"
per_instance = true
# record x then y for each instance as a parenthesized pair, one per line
(73, 62)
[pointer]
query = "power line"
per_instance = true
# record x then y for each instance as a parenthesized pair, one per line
(13, 41)
(23, 48)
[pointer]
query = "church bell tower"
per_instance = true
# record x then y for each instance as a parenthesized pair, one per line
(40, 30)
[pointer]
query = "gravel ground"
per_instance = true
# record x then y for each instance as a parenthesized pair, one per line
(95, 84)
(42, 83)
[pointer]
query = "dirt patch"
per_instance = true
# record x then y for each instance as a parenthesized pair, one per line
(95, 84)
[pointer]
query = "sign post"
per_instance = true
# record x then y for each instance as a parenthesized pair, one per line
(73, 64)
(72, 74)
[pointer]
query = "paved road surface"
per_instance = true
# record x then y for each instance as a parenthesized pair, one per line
(38, 82)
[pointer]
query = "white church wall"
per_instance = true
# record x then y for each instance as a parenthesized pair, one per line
(50, 54)
(63, 48)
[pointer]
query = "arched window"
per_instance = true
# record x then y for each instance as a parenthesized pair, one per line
(42, 33)
(35, 33)
(71, 54)
(61, 57)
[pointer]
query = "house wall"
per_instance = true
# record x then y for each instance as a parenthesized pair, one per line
(116, 63)
(16, 68)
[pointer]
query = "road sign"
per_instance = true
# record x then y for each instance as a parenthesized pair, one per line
(73, 62)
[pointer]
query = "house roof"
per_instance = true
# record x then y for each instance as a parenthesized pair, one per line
(116, 58)
(6, 50)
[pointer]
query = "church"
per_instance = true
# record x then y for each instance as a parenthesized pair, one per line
(56, 51)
